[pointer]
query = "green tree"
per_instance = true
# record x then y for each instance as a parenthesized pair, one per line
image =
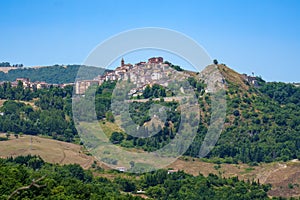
(147, 92)
(116, 137)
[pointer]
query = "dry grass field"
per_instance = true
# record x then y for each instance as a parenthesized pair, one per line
(6, 69)
(1, 102)
(284, 177)
(108, 127)
(50, 150)
(31, 103)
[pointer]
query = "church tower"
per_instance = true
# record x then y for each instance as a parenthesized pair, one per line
(122, 62)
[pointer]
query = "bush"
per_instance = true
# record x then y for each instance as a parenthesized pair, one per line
(236, 113)
(116, 137)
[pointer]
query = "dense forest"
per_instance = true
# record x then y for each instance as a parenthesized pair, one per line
(49, 112)
(29, 177)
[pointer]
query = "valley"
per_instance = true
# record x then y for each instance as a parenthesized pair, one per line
(283, 176)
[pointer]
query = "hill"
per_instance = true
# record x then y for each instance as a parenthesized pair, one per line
(56, 74)
(7, 69)
(262, 119)
(52, 151)
(261, 123)
(261, 126)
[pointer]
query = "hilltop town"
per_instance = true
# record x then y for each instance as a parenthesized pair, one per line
(141, 74)
(154, 71)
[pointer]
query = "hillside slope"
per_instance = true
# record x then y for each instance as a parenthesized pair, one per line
(280, 175)
(52, 151)
(262, 120)
(56, 74)
(258, 126)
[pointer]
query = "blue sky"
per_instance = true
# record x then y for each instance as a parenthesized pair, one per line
(249, 36)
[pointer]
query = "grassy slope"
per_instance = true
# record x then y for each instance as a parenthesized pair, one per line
(52, 151)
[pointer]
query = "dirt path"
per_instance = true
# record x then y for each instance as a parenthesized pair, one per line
(166, 99)
(285, 180)
(63, 158)
(264, 175)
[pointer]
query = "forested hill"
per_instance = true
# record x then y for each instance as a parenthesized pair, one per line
(262, 123)
(55, 74)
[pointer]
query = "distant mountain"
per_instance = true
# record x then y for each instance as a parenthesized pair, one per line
(56, 74)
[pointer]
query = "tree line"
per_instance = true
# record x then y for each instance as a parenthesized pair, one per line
(7, 64)
(56, 74)
(29, 177)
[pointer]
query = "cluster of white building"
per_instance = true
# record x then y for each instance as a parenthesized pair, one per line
(251, 79)
(140, 74)
(35, 85)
